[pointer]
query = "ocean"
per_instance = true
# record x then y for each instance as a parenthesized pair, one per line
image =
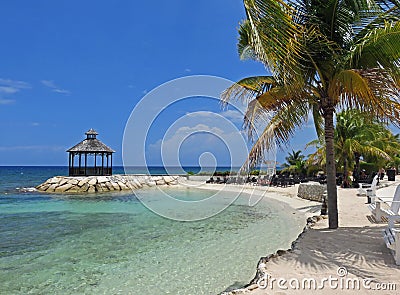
(113, 244)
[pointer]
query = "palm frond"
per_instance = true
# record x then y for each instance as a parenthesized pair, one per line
(248, 88)
(275, 36)
(245, 45)
(372, 90)
(380, 47)
(279, 130)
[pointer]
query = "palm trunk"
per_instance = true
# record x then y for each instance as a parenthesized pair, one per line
(345, 173)
(330, 169)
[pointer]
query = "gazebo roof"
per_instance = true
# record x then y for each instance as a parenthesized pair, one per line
(91, 145)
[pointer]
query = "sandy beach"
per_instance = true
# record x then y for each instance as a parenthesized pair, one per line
(354, 256)
(355, 252)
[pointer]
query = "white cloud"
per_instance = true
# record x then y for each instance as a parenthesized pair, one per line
(6, 101)
(10, 87)
(30, 148)
(50, 84)
(234, 116)
(188, 143)
(13, 84)
(62, 91)
(188, 70)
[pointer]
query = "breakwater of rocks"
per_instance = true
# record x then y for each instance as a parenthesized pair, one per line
(93, 184)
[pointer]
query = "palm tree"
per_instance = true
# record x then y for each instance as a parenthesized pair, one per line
(386, 141)
(323, 56)
(357, 134)
(295, 163)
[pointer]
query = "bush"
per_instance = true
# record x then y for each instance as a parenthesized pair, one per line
(369, 167)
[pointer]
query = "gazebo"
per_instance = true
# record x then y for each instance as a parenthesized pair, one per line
(90, 149)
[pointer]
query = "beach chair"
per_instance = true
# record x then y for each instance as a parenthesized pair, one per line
(391, 236)
(368, 189)
(386, 209)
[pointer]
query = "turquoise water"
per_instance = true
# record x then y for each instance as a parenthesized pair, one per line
(114, 245)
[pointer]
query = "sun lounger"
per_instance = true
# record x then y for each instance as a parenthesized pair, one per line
(368, 189)
(385, 209)
(391, 237)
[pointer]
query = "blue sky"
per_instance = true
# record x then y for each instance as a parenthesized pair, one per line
(67, 66)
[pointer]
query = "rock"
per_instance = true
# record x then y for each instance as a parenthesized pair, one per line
(43, 187)
(151, 183)
(121, 179)
(168, 179)
(91, 189)
(63, 188)
(52, 188)
(137, 182)
(115, 186)
(93, 181)
(73, 181)
(280, 252)
(92, 184)
(102, 179)
(74, 189)
(63, 181)
(98, 187)
(160, 182)
(53, 180)
(311, 191)
(252, 287)
(109, 186)
(82, 182)
(122, 186)
(132, 185)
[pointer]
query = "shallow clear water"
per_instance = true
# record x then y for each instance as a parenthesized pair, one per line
(115, 245)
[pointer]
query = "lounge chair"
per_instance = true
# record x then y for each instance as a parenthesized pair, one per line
(382, 211)
(368, 189)
(211, 180)
(391, 236)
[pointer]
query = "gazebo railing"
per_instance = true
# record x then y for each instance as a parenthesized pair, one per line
(90, 171)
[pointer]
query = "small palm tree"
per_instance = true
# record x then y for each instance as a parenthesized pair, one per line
(295, 163)
(357, 134)
(323, 56)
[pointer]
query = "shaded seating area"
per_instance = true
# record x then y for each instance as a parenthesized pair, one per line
(90, 157)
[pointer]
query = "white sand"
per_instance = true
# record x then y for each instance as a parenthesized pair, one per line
(357, 245)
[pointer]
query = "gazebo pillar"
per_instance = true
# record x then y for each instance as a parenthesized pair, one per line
(80, 163)
(110, 170)
(87, 148)
(102, 163)
(85, 164)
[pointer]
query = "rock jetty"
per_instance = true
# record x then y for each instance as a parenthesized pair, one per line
(93, 184)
